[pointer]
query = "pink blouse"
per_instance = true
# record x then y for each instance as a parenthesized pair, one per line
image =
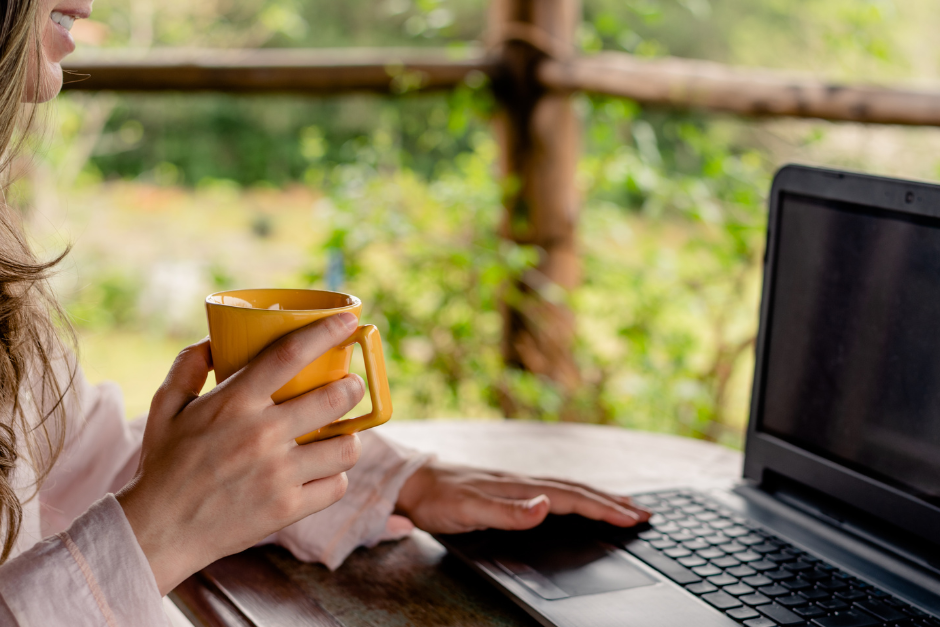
(77, 562)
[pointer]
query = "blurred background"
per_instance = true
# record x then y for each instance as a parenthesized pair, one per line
(166, 198)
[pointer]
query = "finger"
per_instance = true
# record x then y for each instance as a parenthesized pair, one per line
(567, 499)
(326, 458)
(319, 494)
(318, 408)
(622, 499)
(281, 361)
(478, 510)
(184, 381)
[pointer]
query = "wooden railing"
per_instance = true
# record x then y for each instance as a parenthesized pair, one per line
(532, 66)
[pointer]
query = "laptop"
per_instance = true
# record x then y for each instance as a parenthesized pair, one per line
(836, 522)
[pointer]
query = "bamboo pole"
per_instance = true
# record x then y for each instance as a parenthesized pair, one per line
(307, 71)
(671, 82)
(684, 83)
(539, 137)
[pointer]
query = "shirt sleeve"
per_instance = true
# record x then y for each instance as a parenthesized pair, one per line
(94, 573)
(100, 453)
(364, 516)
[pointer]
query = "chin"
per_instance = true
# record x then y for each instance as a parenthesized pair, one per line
(49, 84)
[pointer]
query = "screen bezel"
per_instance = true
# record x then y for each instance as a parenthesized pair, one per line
(765, 452)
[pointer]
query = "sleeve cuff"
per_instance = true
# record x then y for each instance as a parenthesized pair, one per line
(95, 570)
(363, 517)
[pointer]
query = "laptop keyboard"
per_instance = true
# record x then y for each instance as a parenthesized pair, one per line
(753, 576)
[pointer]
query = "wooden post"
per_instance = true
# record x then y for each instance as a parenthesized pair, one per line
(539, 138)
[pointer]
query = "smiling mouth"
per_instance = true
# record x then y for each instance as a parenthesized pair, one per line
(63, 20)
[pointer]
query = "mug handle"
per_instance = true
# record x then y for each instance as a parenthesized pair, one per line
(368, 338)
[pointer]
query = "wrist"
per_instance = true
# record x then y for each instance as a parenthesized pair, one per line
(162, 542)
(414, 488)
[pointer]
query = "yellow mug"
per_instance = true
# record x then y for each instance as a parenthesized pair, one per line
(242, 323)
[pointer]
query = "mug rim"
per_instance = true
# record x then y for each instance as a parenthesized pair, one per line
(356, 302)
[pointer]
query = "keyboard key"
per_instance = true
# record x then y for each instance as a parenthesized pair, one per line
(706, 571)
(881, 610)
(681, 536)
(721, 523)
(791, 601)
(754, 599)
(692, 561)
(846, 619)
(649, 535)
(779, 614)
(725, 562)
(677, 552)
(707, 517)
(774, 591)
(747, 556)
(814, 575)
(695, 545)
(851, 595)
(717, 538)
(722, 580)
(796, 584)
(749, 540)
(703, 587)
(736, 532)
(832, 605)
(743, 613)
(711, 553)
(762, 565)
(780, 557)
(732, 548)
(815, 595)
(757, 581)
(739, 589)
(764, 548)
(741, 571)
(759, 622)
(810, 611)
(798, 566)
(832, 585)
(662, 543)
(721, 600)
(675, 571)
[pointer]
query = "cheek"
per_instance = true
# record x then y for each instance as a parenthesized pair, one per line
(44, 80)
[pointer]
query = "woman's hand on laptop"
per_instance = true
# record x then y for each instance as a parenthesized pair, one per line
(442, 498)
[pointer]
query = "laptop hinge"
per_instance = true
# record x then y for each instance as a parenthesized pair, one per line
(848, 519)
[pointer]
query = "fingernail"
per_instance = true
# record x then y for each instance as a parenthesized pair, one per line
(535, 502)
(348, 320)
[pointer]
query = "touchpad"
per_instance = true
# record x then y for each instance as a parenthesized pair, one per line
(559, 568)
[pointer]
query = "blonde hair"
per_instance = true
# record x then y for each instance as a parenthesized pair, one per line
(31, 320)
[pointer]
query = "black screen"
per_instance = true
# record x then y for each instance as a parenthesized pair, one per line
(852, 368)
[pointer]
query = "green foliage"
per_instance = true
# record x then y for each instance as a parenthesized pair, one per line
(673, 219)
(110, 302)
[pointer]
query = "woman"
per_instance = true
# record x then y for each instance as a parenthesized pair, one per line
(129, 510)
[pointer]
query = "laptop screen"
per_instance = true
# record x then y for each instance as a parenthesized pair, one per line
(852, 370)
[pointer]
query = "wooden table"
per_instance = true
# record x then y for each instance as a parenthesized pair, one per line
(414, 581)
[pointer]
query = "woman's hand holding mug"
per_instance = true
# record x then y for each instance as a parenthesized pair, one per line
(222, 471)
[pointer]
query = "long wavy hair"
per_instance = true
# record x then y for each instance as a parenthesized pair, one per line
(35, 371)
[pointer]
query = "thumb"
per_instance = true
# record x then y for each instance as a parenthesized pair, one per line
(184, 381)
(511, 514)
